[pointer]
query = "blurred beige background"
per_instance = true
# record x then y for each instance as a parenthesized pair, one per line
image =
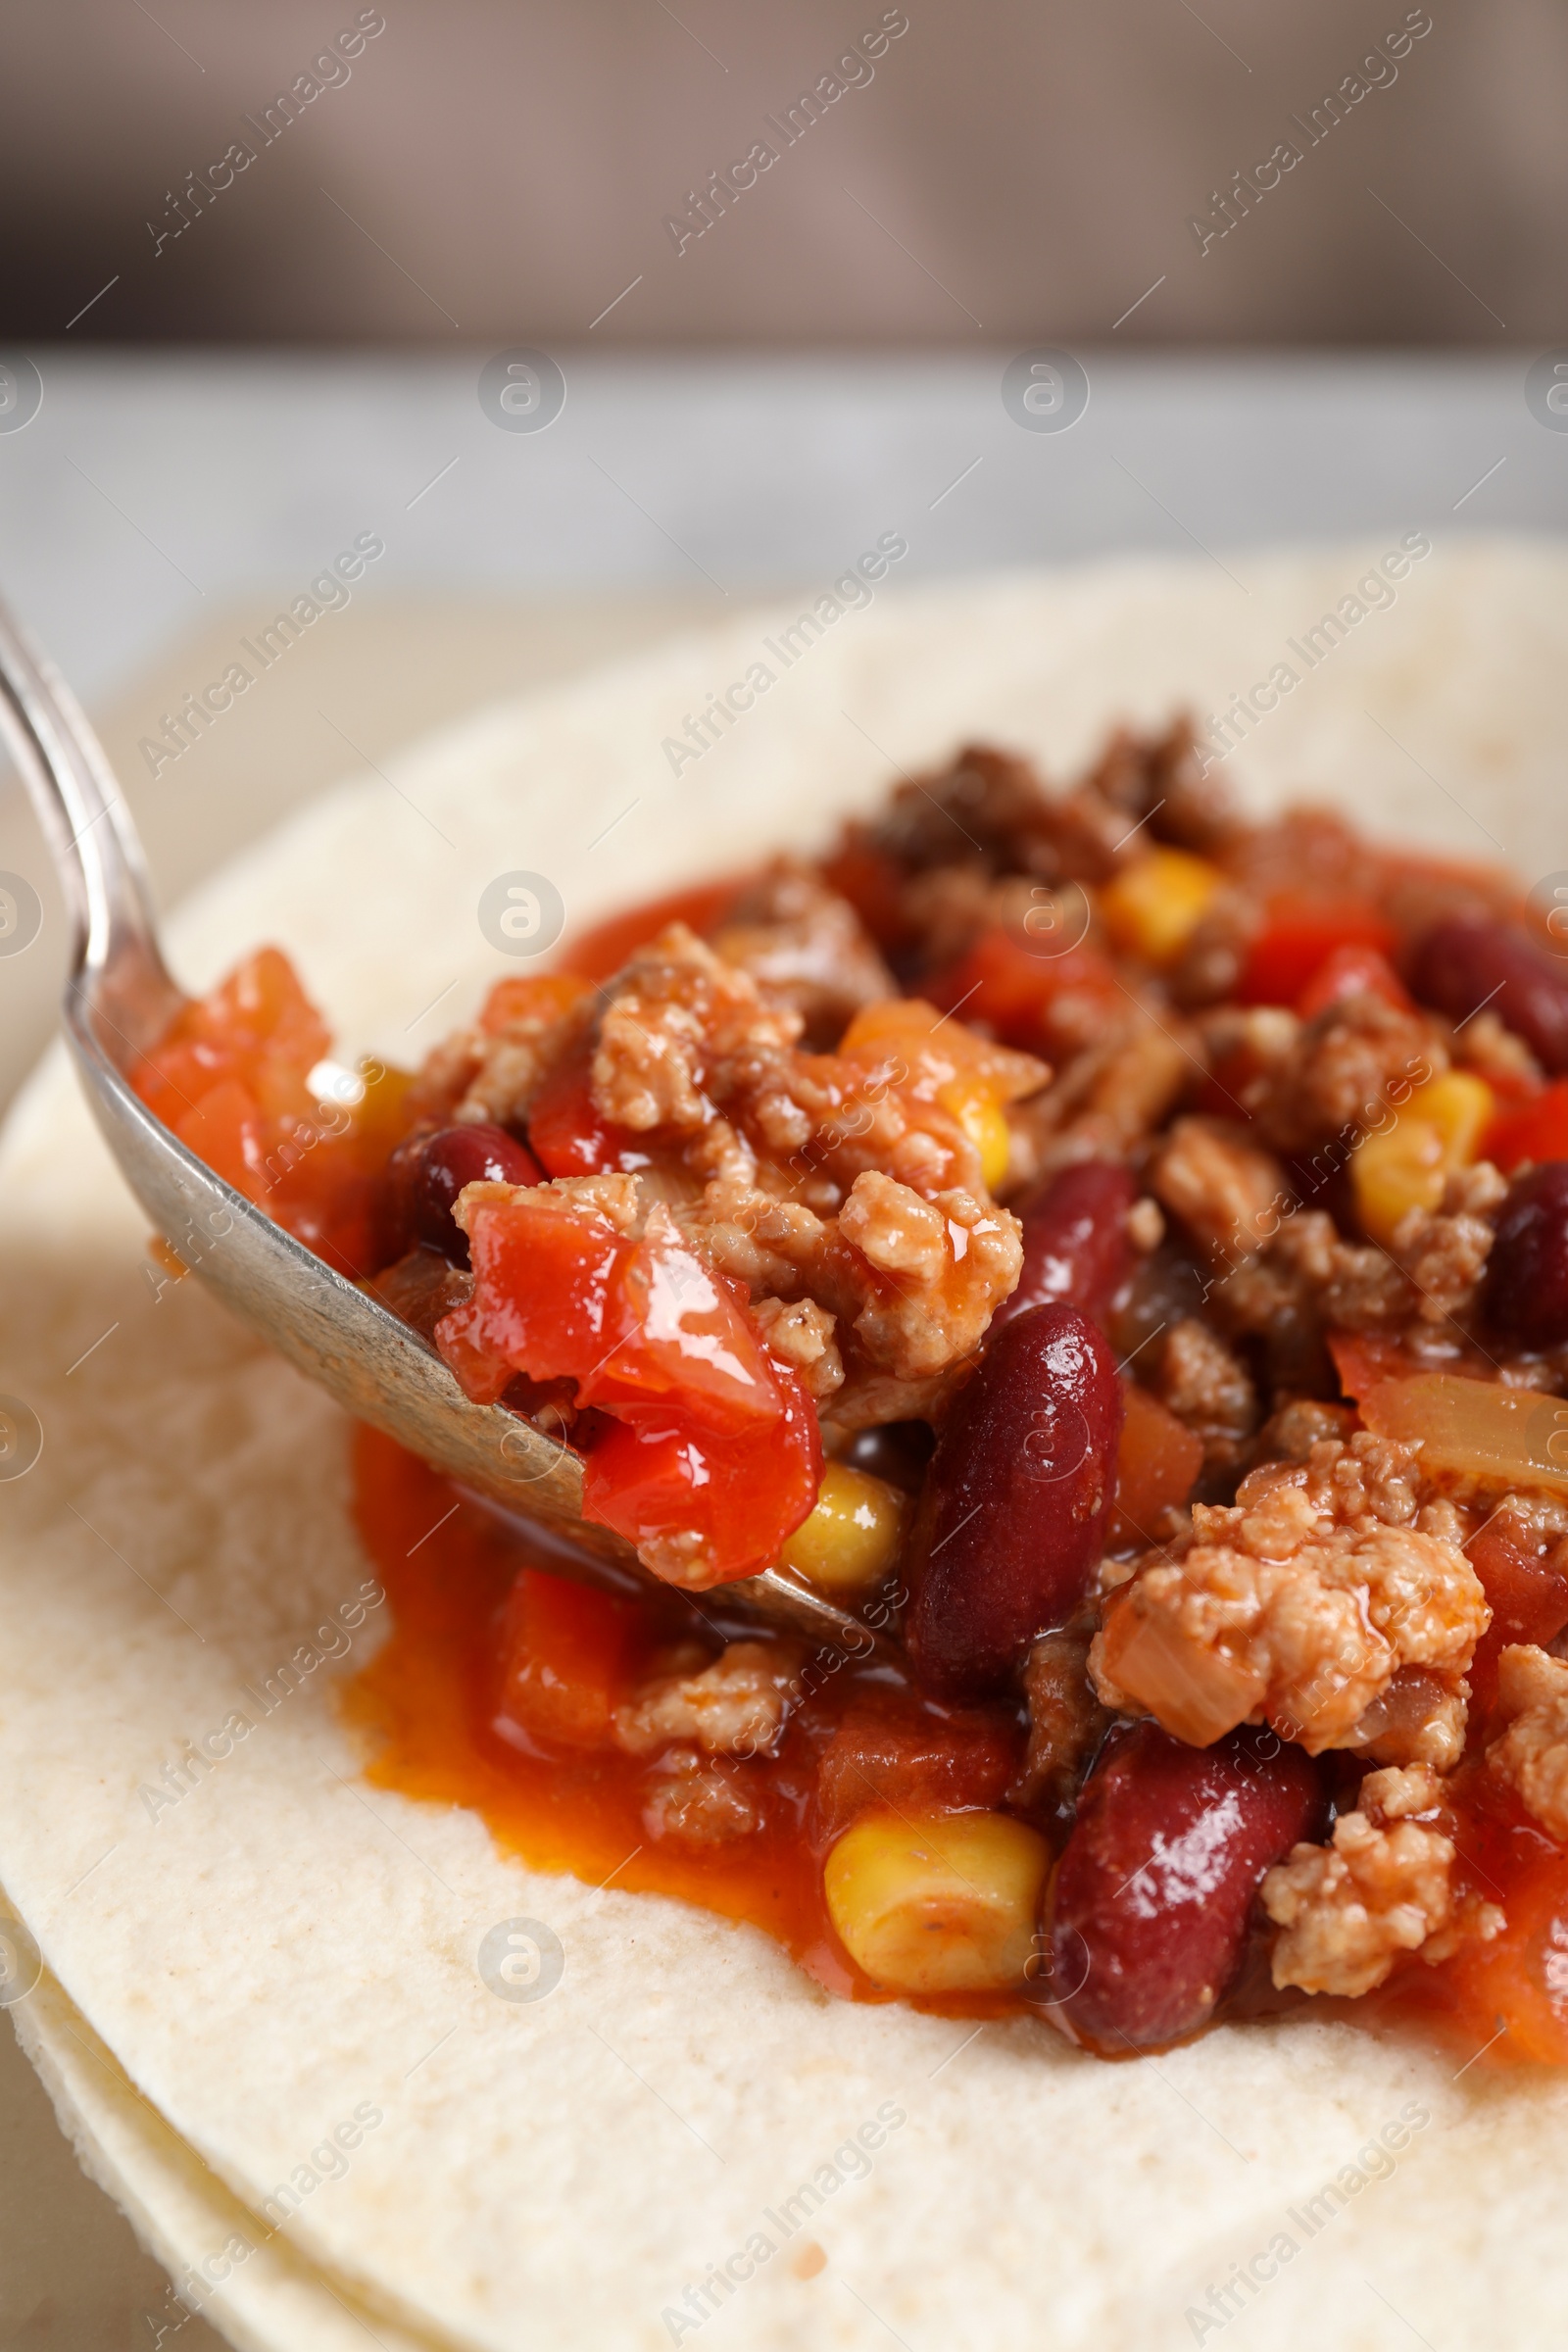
(1019, 168)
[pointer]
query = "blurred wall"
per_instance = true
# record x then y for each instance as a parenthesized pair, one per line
(1006, 170)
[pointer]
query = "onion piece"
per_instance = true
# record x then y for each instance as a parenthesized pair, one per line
(1510, 1436)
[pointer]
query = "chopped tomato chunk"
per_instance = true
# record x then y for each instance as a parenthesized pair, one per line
(233, 1078)
(890, 1751)
(1536, 1129)
(566, 1134)
(549, 995)
(1013, 989)
(1507, 1996)
(1362, 1360)
(596, 953)
(716, 1457)
(873, 884)
(563, 1655)
(1158, 1462)
(1352, 969)
(1298, 939)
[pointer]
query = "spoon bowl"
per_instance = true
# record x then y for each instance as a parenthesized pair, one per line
(119, 1001)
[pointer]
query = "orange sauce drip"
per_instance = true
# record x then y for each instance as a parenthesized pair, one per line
(425, 1702)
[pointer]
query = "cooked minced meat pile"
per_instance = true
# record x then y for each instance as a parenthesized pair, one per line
(1116, 1247)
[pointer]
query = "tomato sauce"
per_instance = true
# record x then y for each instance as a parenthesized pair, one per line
(427, 1704)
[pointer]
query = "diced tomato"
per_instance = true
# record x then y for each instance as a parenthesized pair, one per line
(1158, 1462)
(1013, 989)
(888, 1750)
(257, 1026)
(715, 1441)
(1528, 1598)
(547, 1300)
(741, 1495)
(1516, 1981)
(1538, 1129)
(533, 996)
(231, 1076)
(686, 1339)
(566, 1134)
(563, 1654)
(1361, 1359)
(873, 884)
(225, 1129)
(596, 953)
(1297, 938)
(1349, 971)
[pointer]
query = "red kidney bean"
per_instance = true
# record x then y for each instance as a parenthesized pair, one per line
(1018, 1498)
(1155, 1893)
(1469, 962)
(1075, 1245)
(1527, 1271)
(448, 1160)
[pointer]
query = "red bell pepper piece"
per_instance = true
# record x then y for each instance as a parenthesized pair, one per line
(1298, 939)
(1353, 969)
(1012, 988)
(714, 1455)
(1538, 1129)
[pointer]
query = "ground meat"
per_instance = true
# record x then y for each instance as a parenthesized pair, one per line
(1532, 1755)
(1358, 1058)
(913, 1280)
(1226, 1191)
(943, 1264)
(1210, 963)
(1209, 1388)
(1346, 1911)
(871, 1400)
(1308, 1278)
(1301, 1423)
(801, 1335)
(1299, 1607)
(675, 1009)
(1419, 1719)
(1444, 1251)
(1169, 786)
(987, 801)
(1110, 1096)
(737, 1706)
(514, 1062)
(693, 1802)
(807, 948)
(1065, 1720)
(1486, 1045)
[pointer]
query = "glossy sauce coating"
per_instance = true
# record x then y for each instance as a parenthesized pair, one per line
(1156, 1888)
(1075, 1246)
(429, 1705)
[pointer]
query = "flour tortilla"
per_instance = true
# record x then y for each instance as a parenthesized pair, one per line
(285, 1945)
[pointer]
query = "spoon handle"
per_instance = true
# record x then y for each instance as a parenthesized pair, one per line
(91, 838)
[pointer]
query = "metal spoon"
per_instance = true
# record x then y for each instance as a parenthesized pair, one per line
(119, 1001)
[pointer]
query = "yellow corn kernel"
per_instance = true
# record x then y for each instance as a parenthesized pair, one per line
(1153, 906)
(852, 1538)
(945, 1904)
(1406, 1166)
(984, 1121)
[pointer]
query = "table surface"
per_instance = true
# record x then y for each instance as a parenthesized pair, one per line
(156, 509)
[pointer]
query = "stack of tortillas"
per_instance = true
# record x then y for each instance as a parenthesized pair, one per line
(261, 2010)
